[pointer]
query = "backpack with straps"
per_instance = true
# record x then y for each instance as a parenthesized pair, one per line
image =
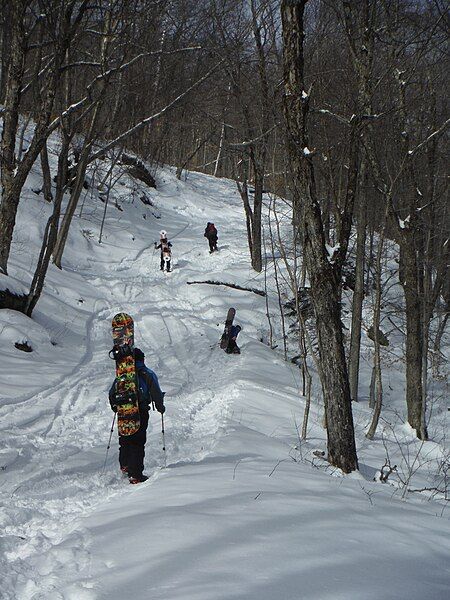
(144, 393)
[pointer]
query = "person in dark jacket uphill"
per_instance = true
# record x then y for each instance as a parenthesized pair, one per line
(132, 447)
(211, 235)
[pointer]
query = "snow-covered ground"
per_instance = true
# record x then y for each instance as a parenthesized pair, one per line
(244, 509)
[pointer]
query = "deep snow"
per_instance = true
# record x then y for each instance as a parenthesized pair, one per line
(244, 509)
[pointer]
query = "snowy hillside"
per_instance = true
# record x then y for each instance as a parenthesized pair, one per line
(244, 509)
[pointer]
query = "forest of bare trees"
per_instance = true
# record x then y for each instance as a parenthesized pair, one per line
(334, 110)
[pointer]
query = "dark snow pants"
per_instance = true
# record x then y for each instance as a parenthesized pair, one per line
(132, 448)
(212, 243)
(232, 347)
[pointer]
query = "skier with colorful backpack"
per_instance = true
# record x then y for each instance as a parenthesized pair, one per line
(166, 253)
(132, 447)
(211, 235)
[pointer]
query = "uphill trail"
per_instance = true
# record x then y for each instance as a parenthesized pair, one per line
(57, 439)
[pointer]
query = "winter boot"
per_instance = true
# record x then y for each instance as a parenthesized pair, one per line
(138, 479)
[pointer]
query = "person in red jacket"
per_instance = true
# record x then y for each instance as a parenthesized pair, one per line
(211, 235)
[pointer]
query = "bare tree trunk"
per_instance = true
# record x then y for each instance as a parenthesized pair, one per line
(307, 404)
(358, 298)
(46, 175)
(324, 284)
(75, 193)
(51, 232)
(372, 389)
(23, 130)
(110, 186)
(277, 281)
(15, 174)
(222, 134)
(256, 222)
(369, 257)
(303, 340)
(156, 83)
(10, 191)
(219, 152)
(5, 47)
(183, 165)
(243, 191)
(414, 346)
(359, 26)
(108, 191)
(269, 319)
(437, 343)
(376, 340)
(85, 157)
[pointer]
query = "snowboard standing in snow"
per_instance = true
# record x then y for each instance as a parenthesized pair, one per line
(126, 391)
(232, 347)
(226, 332)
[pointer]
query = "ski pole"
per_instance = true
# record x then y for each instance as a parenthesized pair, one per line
(163, 440)
(109, 442)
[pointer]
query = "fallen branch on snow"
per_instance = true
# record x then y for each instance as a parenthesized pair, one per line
(231, 285)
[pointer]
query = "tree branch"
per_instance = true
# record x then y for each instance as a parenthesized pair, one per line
(74, 107)
(429, 138)
(148, 120)
(231, 285)
(252, 142)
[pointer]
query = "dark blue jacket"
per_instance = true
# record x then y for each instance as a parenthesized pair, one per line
(234, 331)
(149, 390)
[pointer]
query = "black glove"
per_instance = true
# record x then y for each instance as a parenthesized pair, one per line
(112, 403)
(161, 409)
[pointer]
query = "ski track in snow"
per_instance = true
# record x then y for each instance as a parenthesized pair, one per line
(62, 449)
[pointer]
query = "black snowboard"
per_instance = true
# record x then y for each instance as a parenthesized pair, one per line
(226, 332)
